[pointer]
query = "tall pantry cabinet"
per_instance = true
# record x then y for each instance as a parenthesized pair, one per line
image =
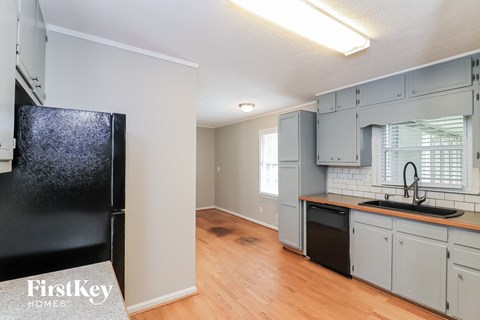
(298, 174)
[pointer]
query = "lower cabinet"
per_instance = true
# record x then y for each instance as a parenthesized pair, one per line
(289, 213)
(433, 265)
(463, 288)
(373, 255)
(420, 270)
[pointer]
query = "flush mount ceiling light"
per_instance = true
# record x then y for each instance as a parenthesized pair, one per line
(310, 22)
(246, 107)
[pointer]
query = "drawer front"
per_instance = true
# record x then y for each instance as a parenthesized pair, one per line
(466, 258)
(373, 219)
(423, 229)
(465, 238)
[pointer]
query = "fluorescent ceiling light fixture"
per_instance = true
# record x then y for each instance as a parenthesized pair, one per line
(246, 107)
(310, 22)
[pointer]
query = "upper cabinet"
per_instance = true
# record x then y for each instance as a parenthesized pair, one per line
(8, 29)
(381, 91)
(326, 103)
(288, 137)
(346, 99)
(444, 76)
(31, 47)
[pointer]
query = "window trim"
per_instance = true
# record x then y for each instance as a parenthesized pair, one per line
(262, 132)
(472, 179)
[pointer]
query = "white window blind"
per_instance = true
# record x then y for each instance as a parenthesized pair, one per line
(269, 162)
(437, 147)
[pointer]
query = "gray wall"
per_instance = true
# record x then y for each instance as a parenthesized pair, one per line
(237, 155)
(159, 99)
(205, 167)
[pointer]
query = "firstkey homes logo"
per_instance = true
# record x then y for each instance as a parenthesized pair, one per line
(57, 295)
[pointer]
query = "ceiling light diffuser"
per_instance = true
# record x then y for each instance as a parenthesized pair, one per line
(310, 22)
(246, 107)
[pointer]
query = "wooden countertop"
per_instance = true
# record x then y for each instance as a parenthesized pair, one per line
(469, 220)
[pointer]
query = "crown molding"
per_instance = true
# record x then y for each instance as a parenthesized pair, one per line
(119, 45)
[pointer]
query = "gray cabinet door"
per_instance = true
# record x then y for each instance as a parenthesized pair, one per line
(464, 293)
(288, 137)
(337, 138)
(346, 99)
(448, 75)
(380, 91)
(289, 213)
(420, 270)
(40, 50)
(8, 32)
(326, 103)
(373, 255)
(26, 59)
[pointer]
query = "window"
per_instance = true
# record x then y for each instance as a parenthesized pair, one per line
(437, 147)
(269, 162)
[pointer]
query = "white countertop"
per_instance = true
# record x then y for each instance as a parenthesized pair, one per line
(87, 292)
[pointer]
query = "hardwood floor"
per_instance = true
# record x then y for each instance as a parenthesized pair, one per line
(244, 273)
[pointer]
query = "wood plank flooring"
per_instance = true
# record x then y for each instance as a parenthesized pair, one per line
(244, 273)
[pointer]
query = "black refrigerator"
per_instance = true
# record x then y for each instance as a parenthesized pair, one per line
(62, 206)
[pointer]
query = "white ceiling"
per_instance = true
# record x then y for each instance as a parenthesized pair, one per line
(245, 59)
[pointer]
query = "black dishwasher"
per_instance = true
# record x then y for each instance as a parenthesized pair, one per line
(328, 236)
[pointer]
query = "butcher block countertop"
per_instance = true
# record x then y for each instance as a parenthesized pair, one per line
(88, 292)
(469, 220)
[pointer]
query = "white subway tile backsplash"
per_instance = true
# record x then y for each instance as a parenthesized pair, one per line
(454, 197)
(464, 206)
(364, 188)
(352, 187)
(395, 198)
(389, 190)
(369, 195)
(435, 195)
(379, 196)
(470, 198)
(357, 194)
(358, 182)
(375, 189)
(445, 203)
(335, 190)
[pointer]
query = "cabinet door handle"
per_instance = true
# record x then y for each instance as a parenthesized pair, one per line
(38, 86)
(400, 241)
(399, 94)
(460, 275)
(413, 91)
(386, 238)
(35, 79)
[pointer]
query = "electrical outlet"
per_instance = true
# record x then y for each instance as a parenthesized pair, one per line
(218, 169)
(261, 209)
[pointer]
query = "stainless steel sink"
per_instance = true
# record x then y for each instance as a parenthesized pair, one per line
(418, 209)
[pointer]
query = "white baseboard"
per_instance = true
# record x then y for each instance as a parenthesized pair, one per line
(205, 208)
(161, 300)
(248, 218)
